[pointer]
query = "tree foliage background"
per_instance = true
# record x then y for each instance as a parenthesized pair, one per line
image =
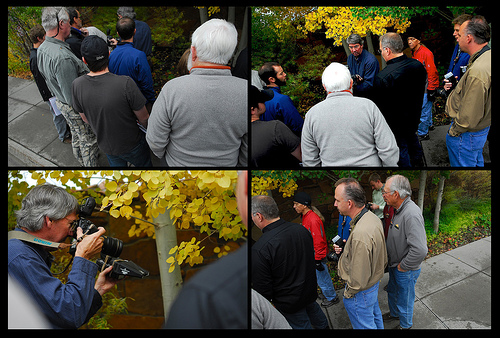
(304, 40)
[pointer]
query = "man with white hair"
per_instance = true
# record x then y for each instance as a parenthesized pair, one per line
(406, 249)
(344, 130)
(201, 119)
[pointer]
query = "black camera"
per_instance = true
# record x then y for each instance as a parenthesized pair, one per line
(111, 246)
(333, 256)
(356, 79)
(121, 267)
(443, 92)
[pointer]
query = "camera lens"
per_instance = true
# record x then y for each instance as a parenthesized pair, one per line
(112, 247)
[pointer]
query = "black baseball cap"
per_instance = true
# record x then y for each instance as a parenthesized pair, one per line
(94, 48)
(259, 96)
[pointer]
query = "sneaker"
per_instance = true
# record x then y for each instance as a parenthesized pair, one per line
(402, 328)
(327, 303)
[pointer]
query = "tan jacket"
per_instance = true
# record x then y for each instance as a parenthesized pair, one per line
(364, 258)
(469, 104)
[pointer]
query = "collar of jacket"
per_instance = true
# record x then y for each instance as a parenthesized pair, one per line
(401, 207)
(273, 225)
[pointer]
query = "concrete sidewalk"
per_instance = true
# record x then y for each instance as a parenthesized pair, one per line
(33, 139)
(452, 292)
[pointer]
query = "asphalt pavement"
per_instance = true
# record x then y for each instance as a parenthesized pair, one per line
(453, 291)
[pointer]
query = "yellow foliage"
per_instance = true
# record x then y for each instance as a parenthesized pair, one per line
(339, 23)
(200, 200)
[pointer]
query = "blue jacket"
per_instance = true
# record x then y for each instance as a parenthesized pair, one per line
(67, 305)
(366, 66)
(126, 60)
(281, 108)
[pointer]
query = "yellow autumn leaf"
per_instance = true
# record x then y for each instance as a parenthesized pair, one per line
(132, 186)
(224, 181)
(174, 249)
(115, 213)
(172, 267)
(171, 259)
(111, 186)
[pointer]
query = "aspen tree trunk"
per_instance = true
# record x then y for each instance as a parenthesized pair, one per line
(421, 189)
(438, 203)
(166, 239)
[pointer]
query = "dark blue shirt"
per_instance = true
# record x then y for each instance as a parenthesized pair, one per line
(142, 37)
(458, 59)
(67, 305)
(366, 66)
(126, 60)
(281, 108)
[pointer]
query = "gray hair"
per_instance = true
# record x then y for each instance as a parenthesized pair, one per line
(479, 29)
(127, 12)
(354, 39)
(266, 206)
(45, 200)
(392, 41)
(353, 191)
(215, 41)
(51, 16)
(400, 184)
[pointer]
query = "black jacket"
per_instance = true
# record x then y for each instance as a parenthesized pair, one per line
(39, 80)
(398, 91)
(283, 266)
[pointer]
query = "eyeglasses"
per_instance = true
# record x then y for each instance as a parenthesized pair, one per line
(387, 192)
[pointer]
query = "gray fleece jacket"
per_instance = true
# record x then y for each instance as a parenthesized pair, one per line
(344, 130)
(406, 240)
(201, 119)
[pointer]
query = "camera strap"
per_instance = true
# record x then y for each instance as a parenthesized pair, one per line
(26, 237)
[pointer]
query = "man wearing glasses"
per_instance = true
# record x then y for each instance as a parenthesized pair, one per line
(362, 64)
(406, 249)
(49, 213)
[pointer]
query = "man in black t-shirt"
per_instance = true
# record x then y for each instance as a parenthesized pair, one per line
(273, 143)
(113, 105)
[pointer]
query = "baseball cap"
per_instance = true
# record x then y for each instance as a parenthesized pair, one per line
(259, 96)
(94, 48)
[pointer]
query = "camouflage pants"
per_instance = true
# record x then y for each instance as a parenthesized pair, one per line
(84, 141)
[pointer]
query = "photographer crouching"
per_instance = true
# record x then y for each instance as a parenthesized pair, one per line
(48, 215)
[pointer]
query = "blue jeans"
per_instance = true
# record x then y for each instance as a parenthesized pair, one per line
(307, 318)
(425, 117)
(363, 309)
(325, 282)
(401, 295)
(139, 156)
(466, 150)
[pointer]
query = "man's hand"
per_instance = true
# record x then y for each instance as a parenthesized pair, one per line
(104, 283)
(91, 245)
(337, 248)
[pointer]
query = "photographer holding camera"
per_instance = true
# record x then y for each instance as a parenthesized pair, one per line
(48, 215)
